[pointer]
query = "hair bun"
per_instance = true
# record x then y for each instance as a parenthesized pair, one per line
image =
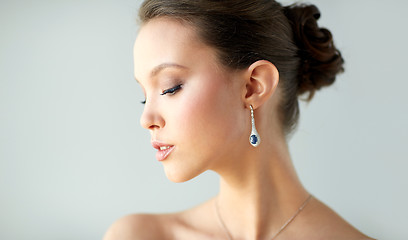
(321, 61)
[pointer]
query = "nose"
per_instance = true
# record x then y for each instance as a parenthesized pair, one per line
(151, 118)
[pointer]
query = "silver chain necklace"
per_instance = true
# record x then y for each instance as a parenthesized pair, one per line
(276, 234)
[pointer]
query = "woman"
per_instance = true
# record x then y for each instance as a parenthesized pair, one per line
(222, 80)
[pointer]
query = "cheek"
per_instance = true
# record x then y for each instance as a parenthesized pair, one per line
(210, 115)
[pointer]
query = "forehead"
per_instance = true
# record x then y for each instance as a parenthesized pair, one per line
(165, 40)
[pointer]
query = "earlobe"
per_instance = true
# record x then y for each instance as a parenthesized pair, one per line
(262, 79)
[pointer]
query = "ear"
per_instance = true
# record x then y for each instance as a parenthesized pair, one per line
(262, 79)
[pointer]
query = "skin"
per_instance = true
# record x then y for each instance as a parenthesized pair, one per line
(208, 122)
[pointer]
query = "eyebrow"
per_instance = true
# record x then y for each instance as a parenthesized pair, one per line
(156, 70)
(162, 66)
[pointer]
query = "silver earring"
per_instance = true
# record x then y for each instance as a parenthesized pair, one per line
(254, 139)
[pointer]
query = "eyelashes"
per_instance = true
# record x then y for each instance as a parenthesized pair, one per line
(170, 91)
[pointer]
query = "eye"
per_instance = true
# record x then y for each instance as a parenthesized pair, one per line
(172, 90)
(143, 102)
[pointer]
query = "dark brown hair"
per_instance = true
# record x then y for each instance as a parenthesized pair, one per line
(243, 32)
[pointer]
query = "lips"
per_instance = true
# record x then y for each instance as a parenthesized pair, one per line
(164, 150)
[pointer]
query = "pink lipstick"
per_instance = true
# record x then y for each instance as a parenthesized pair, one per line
(164, 150)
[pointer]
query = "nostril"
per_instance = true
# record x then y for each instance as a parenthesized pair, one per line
(152, 127)
(151, 120)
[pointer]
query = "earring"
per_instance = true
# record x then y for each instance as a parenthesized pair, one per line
(254, 139)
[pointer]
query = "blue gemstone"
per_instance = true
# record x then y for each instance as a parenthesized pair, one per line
(254, 139)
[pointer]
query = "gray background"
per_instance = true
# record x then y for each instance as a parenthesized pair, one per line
(73, 157)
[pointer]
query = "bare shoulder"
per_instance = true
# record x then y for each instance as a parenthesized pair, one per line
(189, 224)
(324, 223)
(136, 227)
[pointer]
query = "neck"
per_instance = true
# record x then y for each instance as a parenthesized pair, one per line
(261, 192)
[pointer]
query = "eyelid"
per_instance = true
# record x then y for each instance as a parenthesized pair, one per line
(171, 90)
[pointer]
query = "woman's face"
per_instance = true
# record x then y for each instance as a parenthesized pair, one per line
(193, 105)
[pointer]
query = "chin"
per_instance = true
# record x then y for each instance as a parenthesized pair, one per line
(178, 176)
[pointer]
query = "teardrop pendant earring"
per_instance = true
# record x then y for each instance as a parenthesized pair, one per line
(254, 139)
